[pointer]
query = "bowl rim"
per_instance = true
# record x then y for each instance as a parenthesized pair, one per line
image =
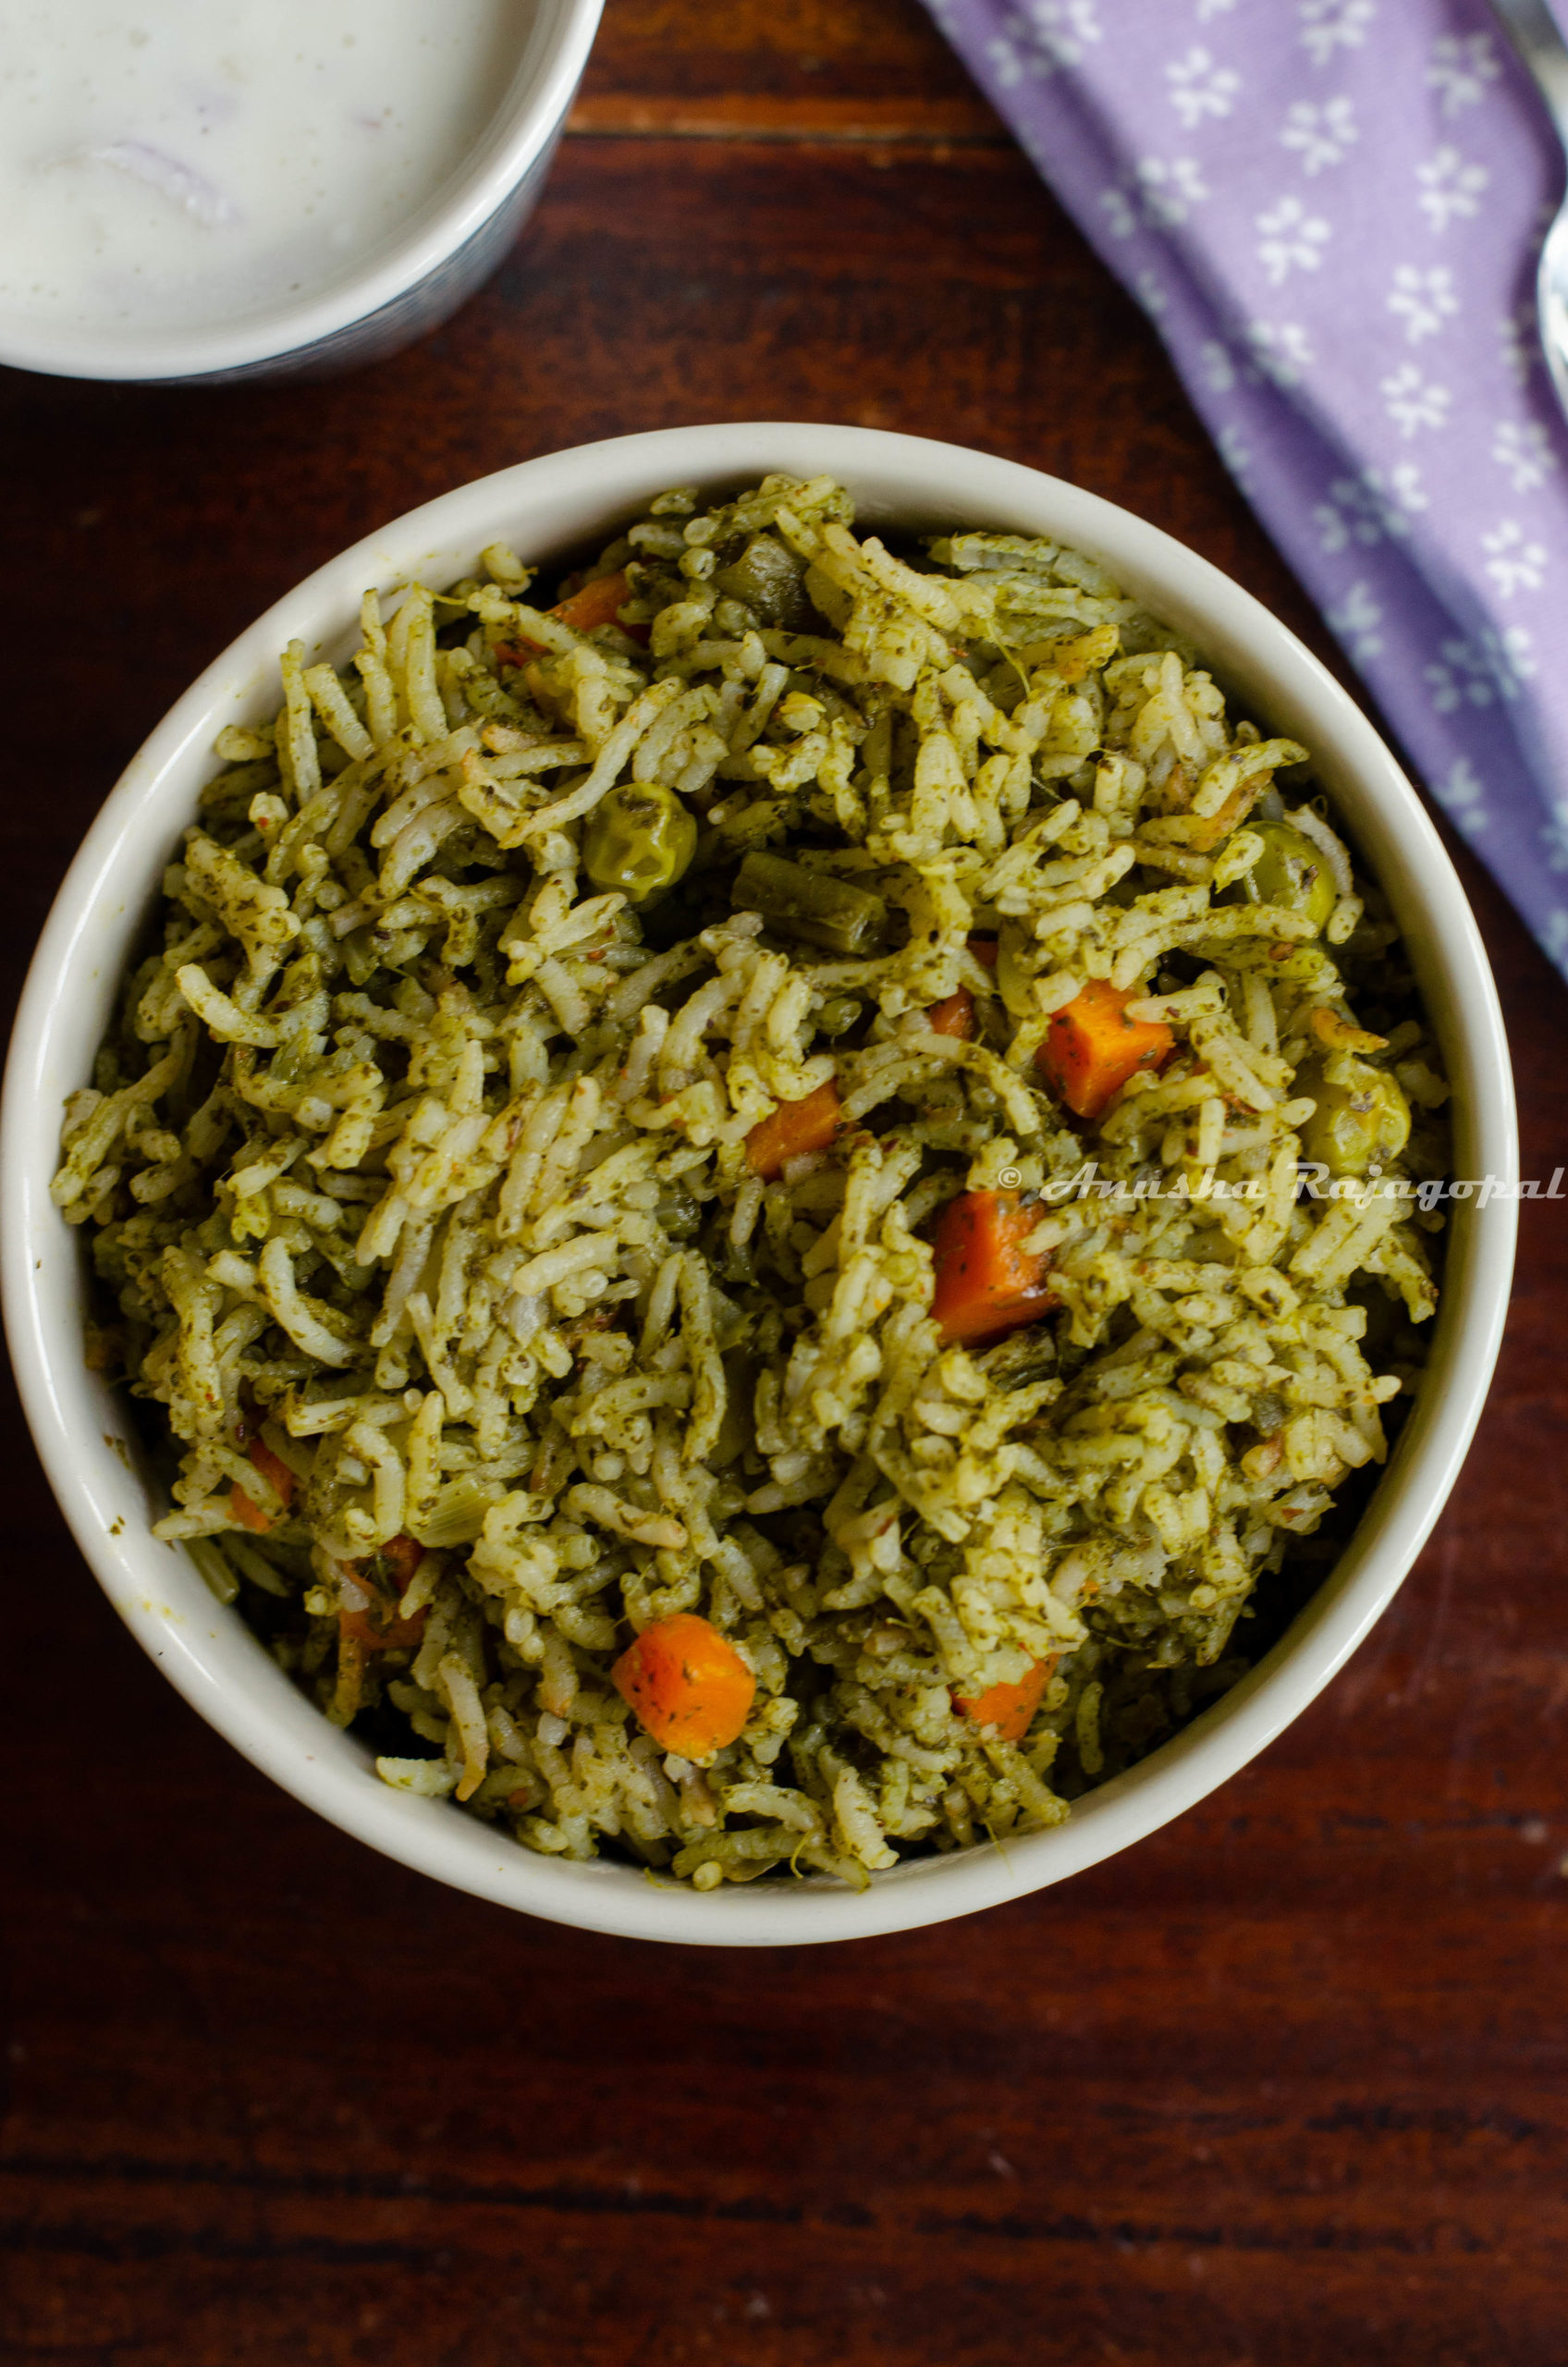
(556, 45)
(209, 1654)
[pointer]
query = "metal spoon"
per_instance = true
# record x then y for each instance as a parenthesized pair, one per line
(1534, 32)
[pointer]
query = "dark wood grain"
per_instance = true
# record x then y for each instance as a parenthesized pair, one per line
(1287, 2085)
(815, 65)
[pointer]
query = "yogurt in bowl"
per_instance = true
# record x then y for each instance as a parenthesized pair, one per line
(213, 186)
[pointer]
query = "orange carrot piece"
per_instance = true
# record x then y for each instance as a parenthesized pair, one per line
(597, 604)
(405, 1556)
(1092, 1048)
(795, 1128)
(272, 1467)
(378, 1628)
(983, 950)
(1010, 1708)
(686, 1685)
(954, 1015)
(987, 1283)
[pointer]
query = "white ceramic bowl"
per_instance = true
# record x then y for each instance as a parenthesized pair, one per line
(554, 504)
(447, 250)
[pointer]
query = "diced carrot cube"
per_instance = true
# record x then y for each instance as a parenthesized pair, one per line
(1010, 1708)
(986, 1283)
(1092, 1048)
(245, 1508)
(585, 611)
(688, 1686)
(795, 1128)
(954, 1015)
(378, 1627)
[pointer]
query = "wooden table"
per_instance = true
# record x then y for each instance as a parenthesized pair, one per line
(1286, 2085)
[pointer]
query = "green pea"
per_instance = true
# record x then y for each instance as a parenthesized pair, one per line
(768, 578)
(837, 1015)
(1290, 872)
(639, 840)
(1360, 1122)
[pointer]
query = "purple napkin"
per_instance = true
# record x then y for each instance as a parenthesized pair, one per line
(1333, 210)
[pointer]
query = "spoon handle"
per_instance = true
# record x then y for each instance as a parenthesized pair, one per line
(1538, 37)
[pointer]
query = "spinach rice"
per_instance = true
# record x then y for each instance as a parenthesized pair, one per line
(422, 1179)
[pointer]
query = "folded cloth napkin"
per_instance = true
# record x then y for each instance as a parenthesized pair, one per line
(1332, 211)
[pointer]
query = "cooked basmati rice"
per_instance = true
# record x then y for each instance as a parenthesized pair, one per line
(423, 1161)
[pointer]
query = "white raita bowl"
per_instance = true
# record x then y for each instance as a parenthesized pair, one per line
(447, 248)
(565, 503)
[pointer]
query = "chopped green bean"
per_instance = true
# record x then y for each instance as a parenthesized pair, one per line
(810, 905)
